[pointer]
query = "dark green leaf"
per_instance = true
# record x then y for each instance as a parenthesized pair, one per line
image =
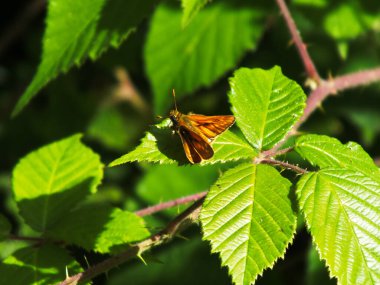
(100, 228)
(194, 57)
(77, 30)
(38, 266)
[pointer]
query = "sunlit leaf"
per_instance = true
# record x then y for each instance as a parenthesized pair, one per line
(266, 104)
(191, 9)
(326, 151)
(342, 211)
(161, 146)
(248, 218)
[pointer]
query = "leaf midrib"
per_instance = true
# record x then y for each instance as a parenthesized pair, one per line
(368, 270)
(49, 186)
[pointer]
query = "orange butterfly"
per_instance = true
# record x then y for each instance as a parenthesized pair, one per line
(198, 131)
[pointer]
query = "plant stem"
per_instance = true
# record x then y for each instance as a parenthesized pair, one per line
(169, 204)
(301, 47)
(189, 216)
(284, 164)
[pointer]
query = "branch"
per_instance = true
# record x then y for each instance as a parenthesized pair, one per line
(160, 207)
(189, 216)
(286, 165)
(301, 47)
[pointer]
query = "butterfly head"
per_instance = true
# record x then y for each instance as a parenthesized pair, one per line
(174, 116)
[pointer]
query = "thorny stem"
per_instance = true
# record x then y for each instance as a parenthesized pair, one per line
(284, 164)
(189, 216)
(169, 204)
(301, 47)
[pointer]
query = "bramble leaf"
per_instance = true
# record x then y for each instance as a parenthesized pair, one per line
(38, 266)
(266, 104)
(196, 56)
(100, 228)
(342, 211)
(161, 146)
(50, 181)
(326, 151)
(248, 218)
(77, 30)
(191, 9)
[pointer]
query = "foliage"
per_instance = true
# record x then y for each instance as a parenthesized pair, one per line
(63, 211)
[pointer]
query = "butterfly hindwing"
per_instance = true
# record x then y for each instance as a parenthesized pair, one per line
(196, 148)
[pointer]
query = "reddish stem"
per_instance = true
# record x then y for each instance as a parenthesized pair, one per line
(169, 204)
(301, 47)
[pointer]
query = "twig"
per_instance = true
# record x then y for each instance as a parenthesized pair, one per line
(189, 216)
(301, 47)
(21, 22)
(274, 152)
(284, 164)
(169, 204)
(33, 239)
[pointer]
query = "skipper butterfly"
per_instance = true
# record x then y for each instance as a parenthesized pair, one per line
(197, 132)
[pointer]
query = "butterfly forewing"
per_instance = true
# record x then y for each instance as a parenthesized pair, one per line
(210, 126)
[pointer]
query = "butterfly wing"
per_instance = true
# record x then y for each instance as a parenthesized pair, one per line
(196, 148)
(209, 126)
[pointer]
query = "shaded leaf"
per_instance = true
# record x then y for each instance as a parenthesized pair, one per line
(5, 227)
(77, 30)
(266, 104)
(50, 181)
(100, 228)
(38, 266)
(249, 220)
(161, 146)
(194, 57)
(342, 211)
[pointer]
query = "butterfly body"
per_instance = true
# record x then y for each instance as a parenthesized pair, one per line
(198, 131)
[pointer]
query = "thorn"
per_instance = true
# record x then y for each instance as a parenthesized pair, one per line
(182, 237)
(67, 272)
(139, 256)
(87, 263)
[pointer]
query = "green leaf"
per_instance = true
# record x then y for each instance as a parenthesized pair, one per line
(325, 152)
(160, 145)
(108, 127)
(5, 227)
(38, 266)
(50, 181)
(100, 228)
(249, 219)
(180, 182)
(191, 9)
(266, 104)
(341, 208)
(194, 57)
(80, 29)
(343, 23)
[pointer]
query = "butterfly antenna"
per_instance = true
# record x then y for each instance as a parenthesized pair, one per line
(175, 102)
